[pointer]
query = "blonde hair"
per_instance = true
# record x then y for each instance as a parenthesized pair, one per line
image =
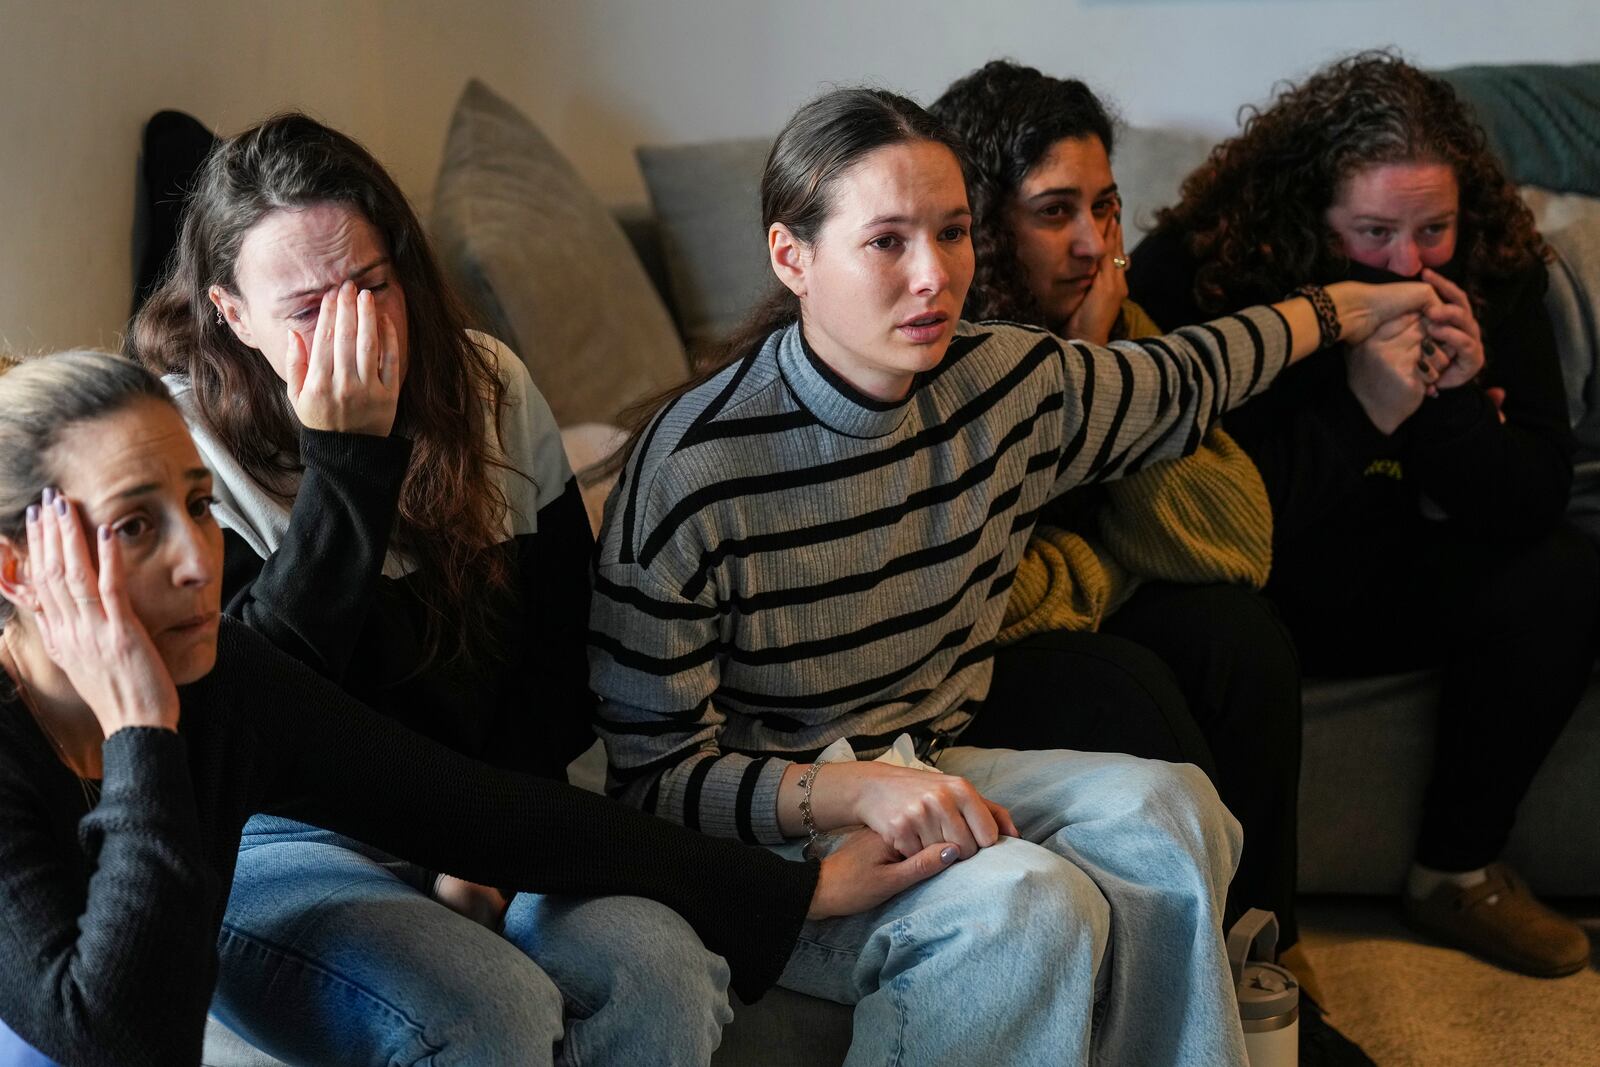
(40, 398)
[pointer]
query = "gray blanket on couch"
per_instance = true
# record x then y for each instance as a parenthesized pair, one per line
(1543, 120)
(1574, 305)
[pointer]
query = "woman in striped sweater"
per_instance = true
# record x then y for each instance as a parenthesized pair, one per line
(397, 513)
(813, 543)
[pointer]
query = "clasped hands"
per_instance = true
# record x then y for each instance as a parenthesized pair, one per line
(1412, 357)
(916, 823)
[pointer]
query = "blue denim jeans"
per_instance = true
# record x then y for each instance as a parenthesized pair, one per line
(1122, 863)
(15, 1052)
(332, 952)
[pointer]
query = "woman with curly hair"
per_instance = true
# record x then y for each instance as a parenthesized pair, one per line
(1415, 527)
(1101, 650)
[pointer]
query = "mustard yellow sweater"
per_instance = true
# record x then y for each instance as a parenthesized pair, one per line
(1203, 518)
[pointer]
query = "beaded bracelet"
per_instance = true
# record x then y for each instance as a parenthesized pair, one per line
(1327, 314)
(807, 821)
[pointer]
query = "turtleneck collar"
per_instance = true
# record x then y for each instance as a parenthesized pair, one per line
(836, 403)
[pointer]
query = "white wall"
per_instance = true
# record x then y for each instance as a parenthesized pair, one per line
(78, 79)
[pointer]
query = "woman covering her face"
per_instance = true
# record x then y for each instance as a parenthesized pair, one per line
(1133, 624)
(1418, 520)
(398, 513)
(138, 733)
(811, 548)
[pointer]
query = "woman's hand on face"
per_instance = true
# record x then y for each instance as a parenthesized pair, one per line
(863, 872)
(87, 626)
(1095, 317)
(350, 380)
(1453, 325)
(911, 809)
(1389, 374)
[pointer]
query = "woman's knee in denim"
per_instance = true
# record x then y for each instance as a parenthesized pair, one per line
(1179, 802)
(1033, 889)
(514, 1016)
(684, 983)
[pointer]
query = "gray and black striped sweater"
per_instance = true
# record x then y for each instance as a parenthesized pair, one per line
(785, 562)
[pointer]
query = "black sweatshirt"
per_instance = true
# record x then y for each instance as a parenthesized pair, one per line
(1329, 471)
(318, 580)
(108, 922)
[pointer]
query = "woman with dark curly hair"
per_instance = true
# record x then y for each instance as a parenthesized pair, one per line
(1193, 670)
(1414, 526)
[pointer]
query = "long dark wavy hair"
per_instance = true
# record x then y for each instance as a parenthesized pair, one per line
(1253, 214)
(823, 140)
(1009, 116)
(451, 510)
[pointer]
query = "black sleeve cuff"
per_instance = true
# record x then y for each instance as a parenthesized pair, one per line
(355, 453)
(773, 910)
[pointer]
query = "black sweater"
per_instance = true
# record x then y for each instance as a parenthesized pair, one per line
(108, 922)
(321, 597)
(314, 581)
(1329, 472)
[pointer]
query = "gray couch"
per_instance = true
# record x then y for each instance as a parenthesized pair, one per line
(699, 253)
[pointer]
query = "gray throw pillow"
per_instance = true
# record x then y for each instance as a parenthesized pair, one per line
(707, 200)
(546, 267)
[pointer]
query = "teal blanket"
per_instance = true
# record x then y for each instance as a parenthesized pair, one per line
(1543, 120)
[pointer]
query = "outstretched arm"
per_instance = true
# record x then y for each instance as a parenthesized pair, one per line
(1137, 402)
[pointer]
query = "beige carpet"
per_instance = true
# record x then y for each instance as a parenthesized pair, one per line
(1414, 1004)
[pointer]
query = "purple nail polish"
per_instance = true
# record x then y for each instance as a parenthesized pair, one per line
(948, 855)
(105, 532)
(33, 512)
(46, 495)
(61, 505)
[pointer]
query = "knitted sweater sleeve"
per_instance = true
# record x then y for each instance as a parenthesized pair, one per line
(118, 973)
(653, 658)
(311, 596)
(1137, 402)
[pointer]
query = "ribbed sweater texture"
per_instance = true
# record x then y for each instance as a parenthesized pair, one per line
(786, 562)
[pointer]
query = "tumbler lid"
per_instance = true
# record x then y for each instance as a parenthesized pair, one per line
(1266, 990)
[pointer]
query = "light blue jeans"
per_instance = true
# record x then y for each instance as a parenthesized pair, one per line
(1122, 863)
(332, 952)
(15, 1052)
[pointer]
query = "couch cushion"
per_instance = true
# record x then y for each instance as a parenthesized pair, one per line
(1367, 756)
(224, 1048)
(1539, 119)
(546, 267)
(707, 200)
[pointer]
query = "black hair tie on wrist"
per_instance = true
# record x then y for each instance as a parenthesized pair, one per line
(1327, 314)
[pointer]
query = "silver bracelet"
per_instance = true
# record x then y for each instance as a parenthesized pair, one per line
(807, 821)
